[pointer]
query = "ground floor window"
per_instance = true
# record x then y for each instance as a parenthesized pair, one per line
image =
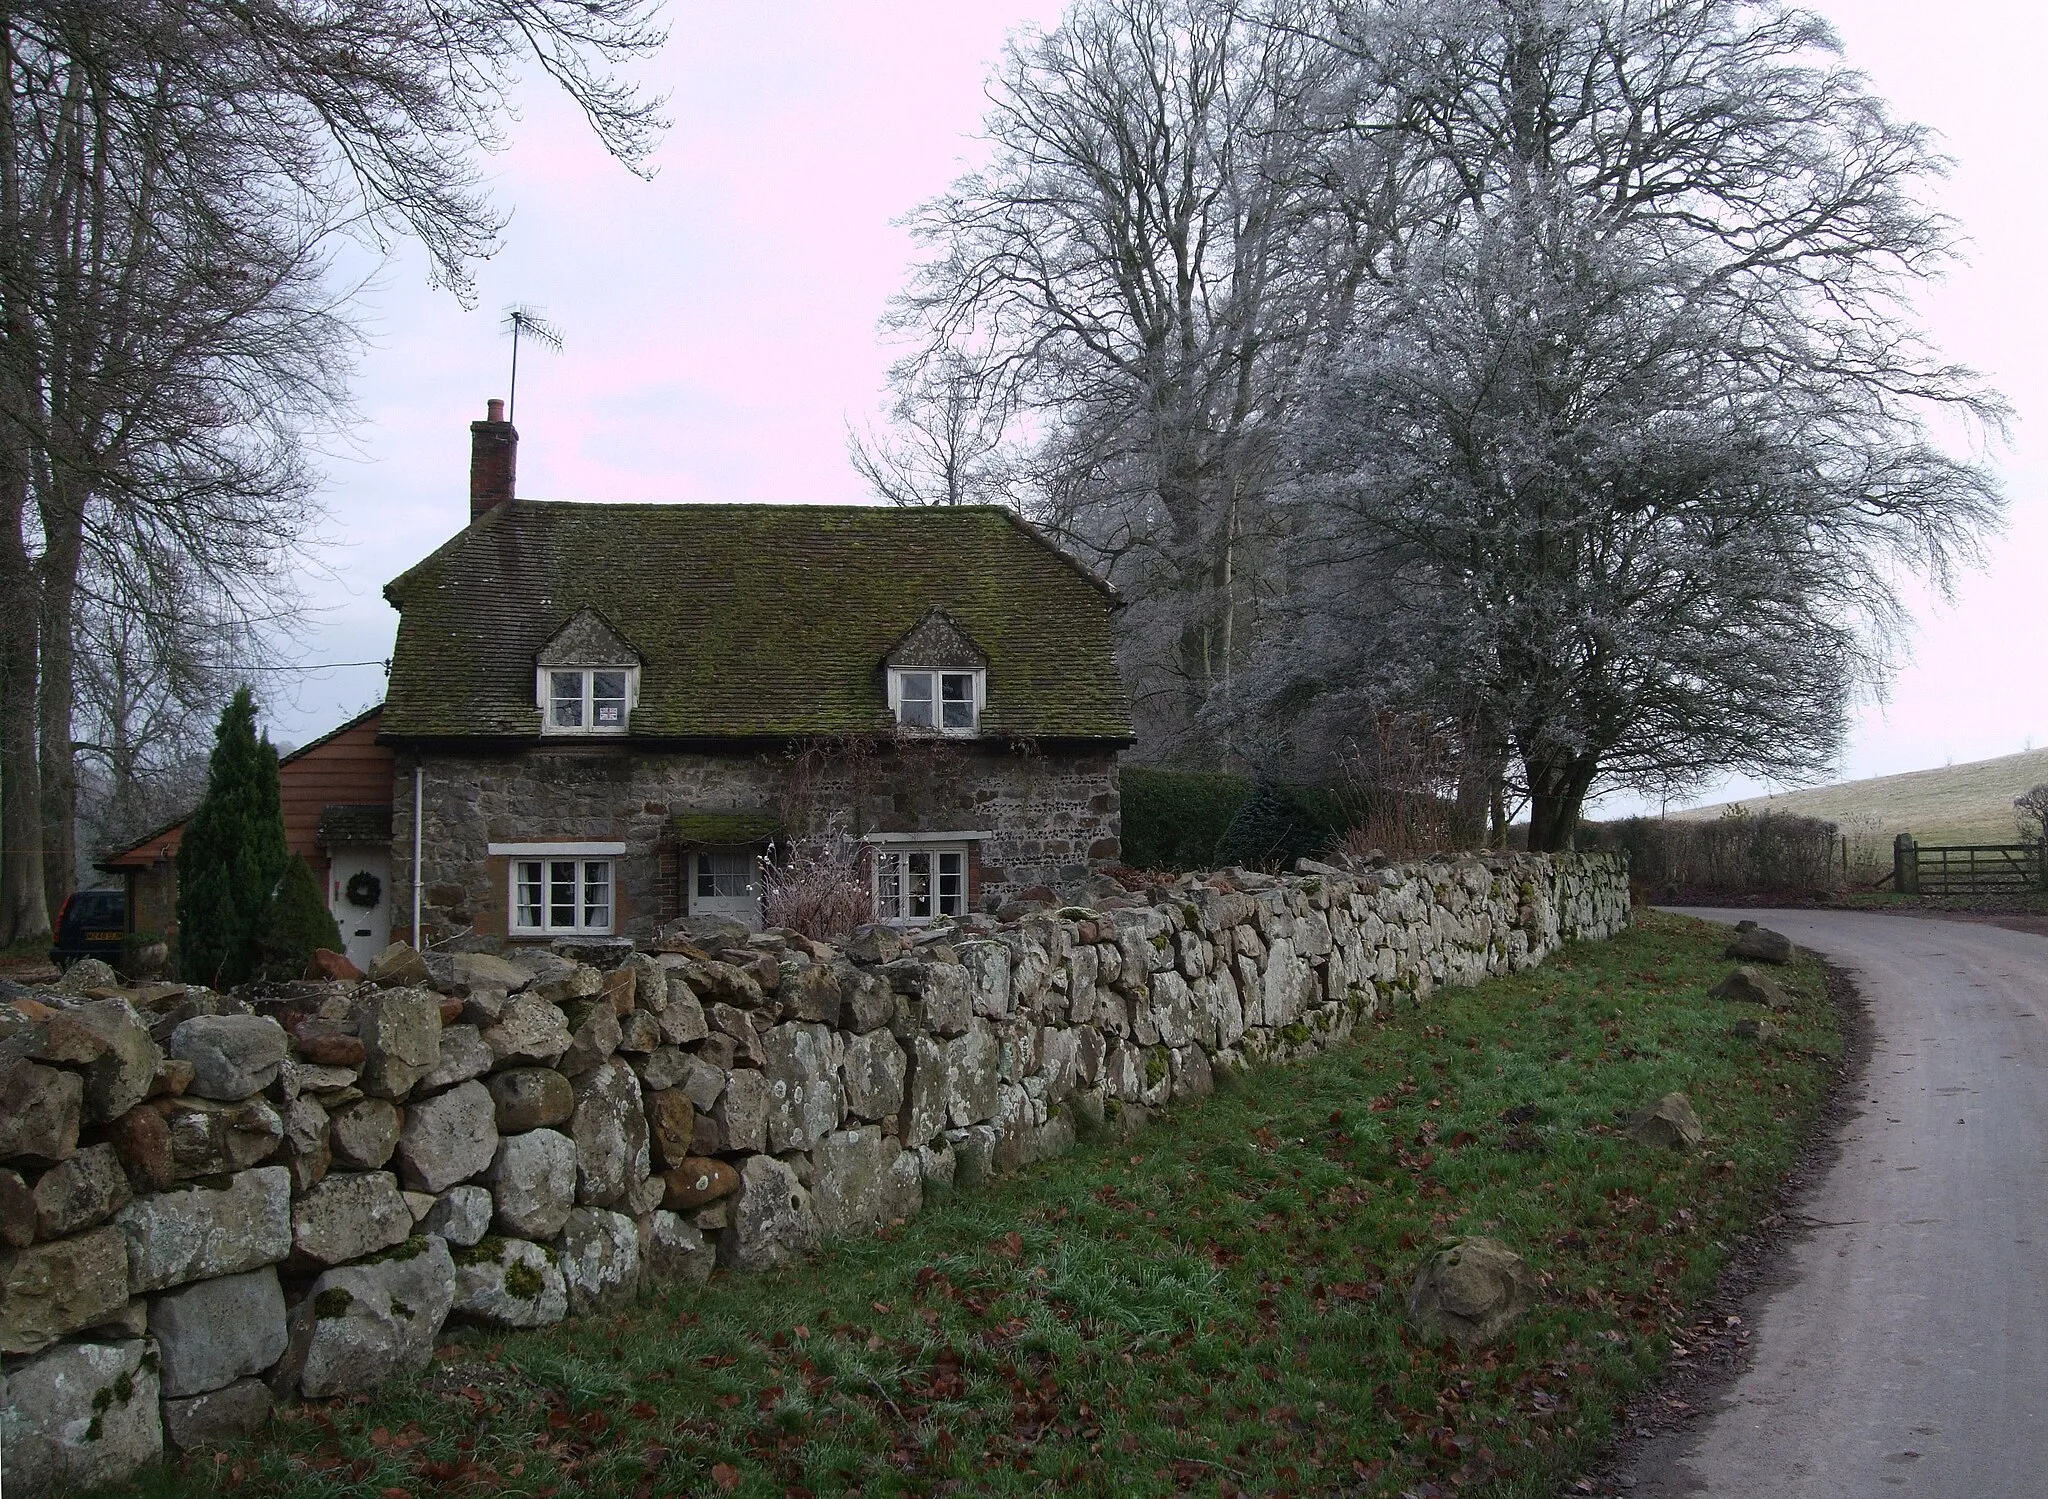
(917, 884)
(562, 895)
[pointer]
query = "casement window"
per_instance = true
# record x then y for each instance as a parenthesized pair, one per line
(587, 699)
(942, 702)
(561, 897)
(918, 883)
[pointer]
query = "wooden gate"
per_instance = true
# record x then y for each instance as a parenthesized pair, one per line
(1966, 868)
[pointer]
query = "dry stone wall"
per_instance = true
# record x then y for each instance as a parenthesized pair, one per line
(211, 1202)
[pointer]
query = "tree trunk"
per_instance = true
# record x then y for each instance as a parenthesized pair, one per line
(1557, 792)
(58, 568)
(24, 910)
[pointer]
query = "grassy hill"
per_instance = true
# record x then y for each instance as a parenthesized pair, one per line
(1956, 804)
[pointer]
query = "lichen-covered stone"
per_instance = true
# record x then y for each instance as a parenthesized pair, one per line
(461, 1215)
(610, 1131)
(861, 1180)
(204, 1229)
(217, 1418)
(600, 1257)
(772, 1220)
(533, 1183)
(348, 1215)
(1471, 1292)
(40, 1110)
(874, 1073)
(232, 1056)
(448, 1138)
(741, 1113)
(125, 1073)
(214, 1332)
(81, 1416)
(697, 1180)
(80, 1192)
(673, 1250)
(972, 1066)
(362, 1135)
(510, 1283)
(805, 1097)
(209, 1138)
(672, 1125)
(401, 1034)
(531, 1098)
(51, 1289)
(463, 1056)
(530, 1031)
(364, 1323)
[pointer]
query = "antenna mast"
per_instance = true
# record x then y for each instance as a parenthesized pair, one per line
(520, 318)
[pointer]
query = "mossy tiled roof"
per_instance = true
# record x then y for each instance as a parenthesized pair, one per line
(756, 621)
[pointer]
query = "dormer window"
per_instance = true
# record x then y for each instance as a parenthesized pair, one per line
(587, 699)
(586, 678)
(943, 702)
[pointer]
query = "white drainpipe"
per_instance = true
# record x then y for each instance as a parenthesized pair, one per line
(418, 801)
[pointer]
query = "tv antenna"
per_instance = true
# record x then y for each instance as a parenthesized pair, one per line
(524, 320)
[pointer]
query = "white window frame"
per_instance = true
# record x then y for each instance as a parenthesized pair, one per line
(548, 862)
(543, 695)
(890, 868)
(937, 675)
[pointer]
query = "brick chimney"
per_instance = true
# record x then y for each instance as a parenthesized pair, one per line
(493, 461)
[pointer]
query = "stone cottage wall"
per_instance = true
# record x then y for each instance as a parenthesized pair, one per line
(1054, 814)
(208, 1203)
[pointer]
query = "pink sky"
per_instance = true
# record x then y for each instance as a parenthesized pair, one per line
(721, 320)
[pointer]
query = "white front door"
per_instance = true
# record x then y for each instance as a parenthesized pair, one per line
(726, 882)
(364, 916)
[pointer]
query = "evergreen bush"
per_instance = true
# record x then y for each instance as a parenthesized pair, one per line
(1279, 823)
(296, 922)
(233, 854)
(1172, 819)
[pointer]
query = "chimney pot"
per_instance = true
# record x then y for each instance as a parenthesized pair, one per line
(493, 461)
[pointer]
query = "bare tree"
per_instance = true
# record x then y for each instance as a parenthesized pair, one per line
(1166, 228)
(169, 180)
(1629, 448)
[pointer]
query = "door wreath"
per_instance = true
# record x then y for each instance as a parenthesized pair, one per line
(363, 890)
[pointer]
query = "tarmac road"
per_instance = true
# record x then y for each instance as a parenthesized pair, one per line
(1904, 1348)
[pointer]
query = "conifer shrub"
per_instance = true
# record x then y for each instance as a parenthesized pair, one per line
(1172, 819)
(1279, 823)
(297, 922)
(233, 854)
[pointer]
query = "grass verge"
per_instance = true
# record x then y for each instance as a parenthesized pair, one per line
(1216, 1307)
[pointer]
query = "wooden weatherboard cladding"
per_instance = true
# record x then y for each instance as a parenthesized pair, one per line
(751, 621)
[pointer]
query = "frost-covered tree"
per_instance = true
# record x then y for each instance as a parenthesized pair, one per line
(1169, 223)
(1623, 459)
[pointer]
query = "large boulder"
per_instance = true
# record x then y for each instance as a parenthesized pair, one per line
(48, 1290)
(232, 1056)
(510, 1283)
(81, 1416)
(214, 1332)
(362, 1324)
(350, 1215)
(40, 1110)
(805, 1098)
(533, 1183)
(772, 1220)
(401, 1034)
(81, 1192)
(204, 1229)
(1471, 1292)
(1667, 1124)
(448, 1138)
(600, 1256)
(1761, 945)
(1747, 985)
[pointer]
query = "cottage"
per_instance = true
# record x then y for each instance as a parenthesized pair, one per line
(602, 714)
